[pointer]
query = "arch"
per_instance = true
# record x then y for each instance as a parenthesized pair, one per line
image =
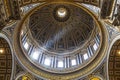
(24, 75)
(34, 70)
(27, 2)
(7, 58)
(113, 63)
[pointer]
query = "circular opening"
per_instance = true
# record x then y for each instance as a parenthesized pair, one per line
(40, 50)
(60, 49)
(62, 12)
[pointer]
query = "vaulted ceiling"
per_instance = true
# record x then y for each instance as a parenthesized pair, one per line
(5, 60)
(47, 34)
(114, 62)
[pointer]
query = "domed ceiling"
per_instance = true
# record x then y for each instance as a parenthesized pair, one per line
(59, 40)
(60, 35)
(61, 28)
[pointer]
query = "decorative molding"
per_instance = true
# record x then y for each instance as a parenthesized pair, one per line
(5, 60)
(2, 35)
(27, 2)
(114, 62)
(87, 70)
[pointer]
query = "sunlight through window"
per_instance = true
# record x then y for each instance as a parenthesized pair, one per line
(85, 56)
(47, 61)
(95, 47)
(35, 55)
(26, 46)
(60, 64)
(73, 62)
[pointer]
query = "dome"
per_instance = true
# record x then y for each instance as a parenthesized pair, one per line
(59, 38)
(61, 33)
